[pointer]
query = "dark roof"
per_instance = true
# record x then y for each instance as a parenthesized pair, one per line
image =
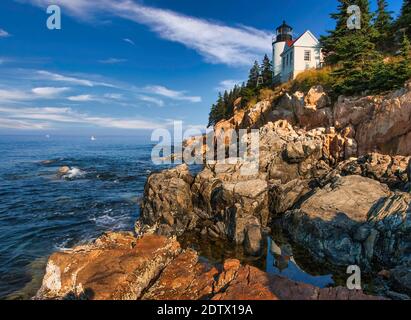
(284, 25)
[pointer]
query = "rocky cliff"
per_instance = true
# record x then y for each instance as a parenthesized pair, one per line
(334, 176)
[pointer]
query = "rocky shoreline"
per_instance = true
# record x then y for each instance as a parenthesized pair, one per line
(334, 177)
(119, 266)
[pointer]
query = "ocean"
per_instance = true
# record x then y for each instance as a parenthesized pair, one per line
(41, 212)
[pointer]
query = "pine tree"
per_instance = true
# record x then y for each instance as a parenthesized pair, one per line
(329, 42)
(406, 48)
(253, 76)
(383, 25)
(267, 72)
(339, 42)
(404, 71)
(217, 112)
(353, 51)
(404, 21)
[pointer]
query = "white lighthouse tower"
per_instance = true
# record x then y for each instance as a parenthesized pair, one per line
(284, 34)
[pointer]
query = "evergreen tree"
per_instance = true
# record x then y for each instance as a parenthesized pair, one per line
(338, 43)
(217, 112)
(329, 42)
(406, 48)
(383, 25)
(404, 71)
(404, 21)
(353, 51)
(267, 72)
(253, 76)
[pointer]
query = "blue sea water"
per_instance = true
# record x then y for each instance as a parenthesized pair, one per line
(40, 212)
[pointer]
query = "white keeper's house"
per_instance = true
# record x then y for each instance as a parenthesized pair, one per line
(293, 56)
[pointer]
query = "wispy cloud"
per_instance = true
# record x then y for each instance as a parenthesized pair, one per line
(83, 98)
(49, 92)
(114, 96)
(16, 95)
(41, 118)
(22, 125)
(172, 94)
(112, 61)
(129, 41)
(153, 100)
(4, 33)
(228, 84)
(216, 42)
(50, 76)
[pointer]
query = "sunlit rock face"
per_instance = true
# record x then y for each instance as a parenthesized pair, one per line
(119, 266)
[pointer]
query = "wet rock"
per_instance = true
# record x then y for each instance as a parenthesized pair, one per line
(390, 170)
(167, 203)
(284, 196)
(185, 278)
(330, 222)
(63, 171)
(238, 282)
(247, 283)
(401, 278)
(253, 241)
(116, 266)
(391, 217)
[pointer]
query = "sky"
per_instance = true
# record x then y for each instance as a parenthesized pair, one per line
(132, 66)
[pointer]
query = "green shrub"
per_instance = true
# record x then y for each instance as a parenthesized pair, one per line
(309, 78)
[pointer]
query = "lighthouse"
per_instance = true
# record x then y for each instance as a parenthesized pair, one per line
(284, 34)
(293, 56)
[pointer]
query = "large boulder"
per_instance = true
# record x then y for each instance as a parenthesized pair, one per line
(391, 217)
(232, 205)
(332, 222)
(167, 206)
(116, 266)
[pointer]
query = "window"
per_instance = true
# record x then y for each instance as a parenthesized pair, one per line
(307, 55)
(291, 58)
(287, 60)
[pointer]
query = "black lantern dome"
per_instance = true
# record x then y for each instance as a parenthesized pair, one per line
(284, 33)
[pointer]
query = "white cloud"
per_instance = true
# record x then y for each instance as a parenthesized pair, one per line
(112, 61)
(49, 92)
(83, 98)
(40, 118)
(172, 94)
(46, 75)
(22, 125)
(129, 41)
(114, 96)
(152, 100)
(228, 84)
(4, 33)
(16, 95)
(217, 42)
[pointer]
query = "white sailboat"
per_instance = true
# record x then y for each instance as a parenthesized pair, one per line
(93, 138)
